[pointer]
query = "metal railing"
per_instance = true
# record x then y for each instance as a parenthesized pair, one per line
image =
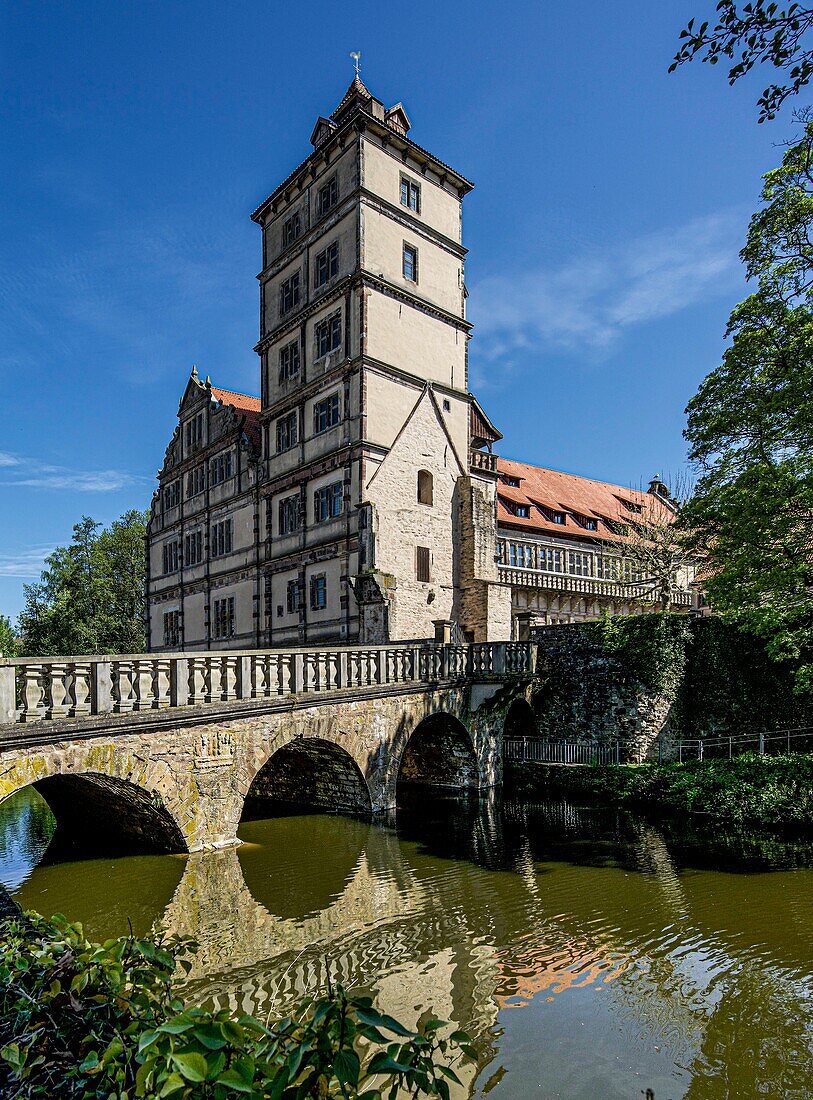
(618, 751)
(54, 688)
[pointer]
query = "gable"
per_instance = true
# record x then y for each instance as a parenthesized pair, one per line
(423, 442)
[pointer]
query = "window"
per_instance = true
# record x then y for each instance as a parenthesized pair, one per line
(220, 469)
(551, 560)
(193, 549)
(501, 551)
(422, 564)
(172, 495)
(318, 592)
(291, 228)
(293, 593)
(223, 624)
(631, 506)
(172, 628)
(410, 195)
(513, 481)
(587, 522)
(328, 502)
(326, 414)
(287, 432)
(608, 568)
(289, 293)
(410, 263)
(170, 556)
(425, 487)
(221, 538)
(327, 196)
(579, 564)
(522, 511)
(289, 515)
(447, 405)
(194, 431)
(328, 334)
(196, 481)
(521, 555)
(326, 265)
(289, 361)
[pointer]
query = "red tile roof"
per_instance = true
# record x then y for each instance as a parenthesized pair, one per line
(246, 404)
(574, 496)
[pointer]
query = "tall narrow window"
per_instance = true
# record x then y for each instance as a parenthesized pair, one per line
(172, 628)
(319, 592)
(291, 228)
(221, 538)
(410, 263)
(327, 196)
(286, 432)
(422, 563)
(289, 361)
(289, 293)
(293, 597)
(326, 265)
(410, 194)
(289, 514)
(193, 550)
(426, 490)
(223, 620)
(328, 502)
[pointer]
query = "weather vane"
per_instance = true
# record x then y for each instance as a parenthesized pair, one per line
(356, 55)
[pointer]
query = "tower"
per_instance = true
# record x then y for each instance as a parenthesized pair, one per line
(366, 416)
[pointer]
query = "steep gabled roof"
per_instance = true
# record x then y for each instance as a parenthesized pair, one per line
(243, 403)
(541, 490)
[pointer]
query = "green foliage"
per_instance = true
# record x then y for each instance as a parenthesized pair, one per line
(751, 34)
(101, 1020)
(91, 596)
(764, 791)
(750, 429)
(8, 638)
(649, 648)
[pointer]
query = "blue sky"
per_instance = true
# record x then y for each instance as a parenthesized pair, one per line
(135, 139)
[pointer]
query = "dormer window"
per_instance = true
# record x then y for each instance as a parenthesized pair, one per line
(512, 481)
(587, 522)
(522, 511)
(631, 506)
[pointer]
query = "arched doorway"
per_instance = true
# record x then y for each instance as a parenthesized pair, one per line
(520, 721)
(308, 774)
(439, 754)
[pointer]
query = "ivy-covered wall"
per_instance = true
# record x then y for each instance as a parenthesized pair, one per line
(645, 676)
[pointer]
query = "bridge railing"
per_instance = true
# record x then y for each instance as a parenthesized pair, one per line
(53, 688)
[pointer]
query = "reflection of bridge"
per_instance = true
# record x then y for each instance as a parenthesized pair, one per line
(163, 752)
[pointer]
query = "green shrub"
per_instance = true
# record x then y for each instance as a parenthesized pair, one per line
(80, 1019)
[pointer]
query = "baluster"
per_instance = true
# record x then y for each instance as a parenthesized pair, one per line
(259, 676)
(160, 682)
(122, 675)
(79, 688)
(197, 679)
(33, 692)
(142, 685)
(56, 692)
(229, 677)
(213, 676)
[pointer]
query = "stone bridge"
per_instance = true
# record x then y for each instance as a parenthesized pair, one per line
(169, 753)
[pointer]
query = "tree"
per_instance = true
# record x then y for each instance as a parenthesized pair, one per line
(90, 597)
(751, 34)
(8, 638)
(750, 429)
(656, 558)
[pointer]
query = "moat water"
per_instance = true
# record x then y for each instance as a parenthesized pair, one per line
(590, 954)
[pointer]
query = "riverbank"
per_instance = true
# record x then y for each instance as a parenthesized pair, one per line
(764, 791)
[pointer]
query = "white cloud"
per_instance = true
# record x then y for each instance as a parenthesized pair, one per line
(27, 473)
(586, 303)
(26, 563)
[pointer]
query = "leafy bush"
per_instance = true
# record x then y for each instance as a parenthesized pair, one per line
(771, 791)
(80, 1019)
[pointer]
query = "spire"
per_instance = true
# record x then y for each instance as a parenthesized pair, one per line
(357, 96)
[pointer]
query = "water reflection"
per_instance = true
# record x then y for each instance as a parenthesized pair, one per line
(589, 953)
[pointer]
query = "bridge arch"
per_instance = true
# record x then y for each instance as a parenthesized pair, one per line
(99, 814)
(310, 773)
(439, 752)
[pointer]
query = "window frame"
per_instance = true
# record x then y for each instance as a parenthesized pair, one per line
(287, 432)
(410, 189)
(329, 328)
(226, 603)
(221, 538)
(327, 196)
(326, 407)
(326, 265)
(413, 250)
(172, 628)
(423, 475)
(288, 507)
(290, 363)
(290, 292)
(318, 592)
(423, 565)
(328, 502)
(291, 228)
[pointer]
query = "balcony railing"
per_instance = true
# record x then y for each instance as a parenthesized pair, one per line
(54, 688)
(585, 586)
(483, 460)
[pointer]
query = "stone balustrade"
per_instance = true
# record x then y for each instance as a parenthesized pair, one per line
(483, 460)
(586, 586)
(54, 688)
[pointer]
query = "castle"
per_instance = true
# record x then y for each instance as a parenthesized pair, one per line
(358, 498)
